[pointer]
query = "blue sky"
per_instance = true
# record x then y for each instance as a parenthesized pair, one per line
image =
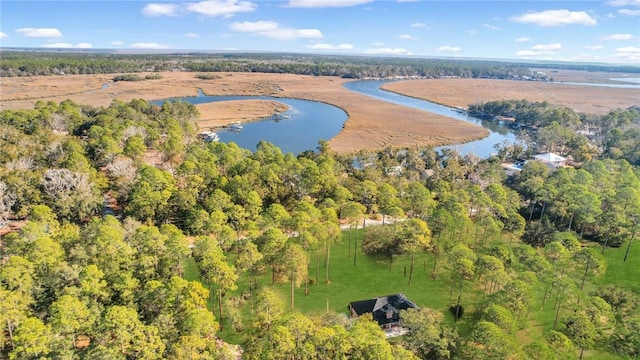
(600, 31)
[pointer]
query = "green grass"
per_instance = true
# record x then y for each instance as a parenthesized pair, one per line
(622, 273)
(372, 277)
(618, 273)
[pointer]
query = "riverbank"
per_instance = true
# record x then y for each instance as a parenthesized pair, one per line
(218, 114)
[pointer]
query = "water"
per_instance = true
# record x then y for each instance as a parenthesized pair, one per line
(310, 121)
(482, 148)
(628, 79)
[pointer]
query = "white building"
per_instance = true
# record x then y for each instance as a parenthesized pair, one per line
(552, 159)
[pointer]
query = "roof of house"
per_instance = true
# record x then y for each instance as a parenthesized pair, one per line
(385, 309)
(550, 157)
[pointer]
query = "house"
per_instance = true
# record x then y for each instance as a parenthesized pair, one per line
(385, 309)
(551, 159)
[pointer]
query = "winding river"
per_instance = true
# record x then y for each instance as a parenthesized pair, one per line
(307, 122)
(296, 130)
(482, 148)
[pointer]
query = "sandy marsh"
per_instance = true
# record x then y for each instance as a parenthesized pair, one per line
(372, 123)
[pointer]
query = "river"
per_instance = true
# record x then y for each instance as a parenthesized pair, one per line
(306, 122)
(482, 148)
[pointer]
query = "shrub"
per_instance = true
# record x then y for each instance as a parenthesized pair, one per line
(127, 77)
(154, 76)
(207, 76)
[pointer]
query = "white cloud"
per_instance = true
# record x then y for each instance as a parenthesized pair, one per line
(161, 10)
(541, 49)
(629, 12)
(522, 39)
(3, 35)
(489, 26)
(191, 35)
(447, 48)
(40, 33)
(389, 51)
(378, 44)
(583, 57)
(618, 3)
(212, 8)
(68, 46)
(330, 47)
(619, 37)
(629, 53)
(526, 53)
(117, 43)
(593, 47)
(225, 8)
(325, 3)
(418, 25)
(272, 29)
(149, 46)
(471, 32)
(255, 26)
(629, 50)
(560, 17)
(408, 37)
(549, 47)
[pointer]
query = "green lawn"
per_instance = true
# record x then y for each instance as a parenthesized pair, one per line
(622, 273)
(372, 277)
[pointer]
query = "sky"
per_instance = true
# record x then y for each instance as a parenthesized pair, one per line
(576, 31)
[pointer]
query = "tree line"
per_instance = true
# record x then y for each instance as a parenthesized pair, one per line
(31, 63)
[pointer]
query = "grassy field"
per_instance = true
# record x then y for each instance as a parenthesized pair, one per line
(372, 277)
(622, 273)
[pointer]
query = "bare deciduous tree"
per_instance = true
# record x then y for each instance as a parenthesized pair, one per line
(122, 168)
(133, 131)
(7, 199)
(24, 163)
(57, 123)
(58, 181)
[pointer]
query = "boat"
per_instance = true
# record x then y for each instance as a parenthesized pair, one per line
(209, 136)
(235, 127)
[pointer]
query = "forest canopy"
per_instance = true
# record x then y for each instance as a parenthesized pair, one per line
(134, 239)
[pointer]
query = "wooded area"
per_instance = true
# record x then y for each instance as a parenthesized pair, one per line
(21, 63)
(136, 240)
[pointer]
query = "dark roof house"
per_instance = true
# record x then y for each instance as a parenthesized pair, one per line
(385, 309)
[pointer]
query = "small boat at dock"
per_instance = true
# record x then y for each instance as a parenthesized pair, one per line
(209, 136)
(235, 126)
